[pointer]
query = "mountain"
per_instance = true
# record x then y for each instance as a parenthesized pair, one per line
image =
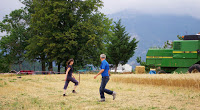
(154, 30)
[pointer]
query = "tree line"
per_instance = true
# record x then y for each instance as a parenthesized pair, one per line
(56, 30)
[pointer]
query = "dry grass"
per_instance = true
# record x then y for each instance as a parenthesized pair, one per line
(178, 80)
(44, 92)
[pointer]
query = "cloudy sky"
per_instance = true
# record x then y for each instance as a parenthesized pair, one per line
(153, 7)
(6, 6)
(176, 7)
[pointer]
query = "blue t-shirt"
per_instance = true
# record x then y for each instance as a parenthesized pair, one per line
(105, 66)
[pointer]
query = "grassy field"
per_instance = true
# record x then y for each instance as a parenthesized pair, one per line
(44, 92)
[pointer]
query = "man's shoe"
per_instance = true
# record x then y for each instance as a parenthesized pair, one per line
(114, 95)
(74, 91)
(102, 100)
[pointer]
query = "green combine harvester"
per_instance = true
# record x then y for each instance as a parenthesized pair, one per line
(184, 57)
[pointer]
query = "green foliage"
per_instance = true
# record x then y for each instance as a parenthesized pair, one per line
(168, 44)
(54, 30)
(139, 60)
(13, 44)
(4, 64)
(68, 29)
(120, 48)
(179, 37)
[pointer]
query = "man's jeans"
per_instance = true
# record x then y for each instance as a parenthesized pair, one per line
(102, 88)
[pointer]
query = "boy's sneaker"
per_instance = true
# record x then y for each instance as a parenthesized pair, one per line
(74, 91)
(64, 95)
(114, 95)
(102, 100)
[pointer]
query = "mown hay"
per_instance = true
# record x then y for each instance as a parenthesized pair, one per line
(177, 80)
(127, 73)
(140, 69)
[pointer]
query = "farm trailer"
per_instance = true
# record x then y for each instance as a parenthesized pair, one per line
(183, 57)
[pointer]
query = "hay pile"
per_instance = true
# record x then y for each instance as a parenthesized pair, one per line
(140, 70)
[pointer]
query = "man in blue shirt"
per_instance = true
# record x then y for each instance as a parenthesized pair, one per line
(105, 73)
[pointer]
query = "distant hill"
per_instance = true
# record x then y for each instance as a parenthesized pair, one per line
(154, 30)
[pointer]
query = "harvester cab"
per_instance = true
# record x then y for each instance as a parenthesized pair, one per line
(183, 57)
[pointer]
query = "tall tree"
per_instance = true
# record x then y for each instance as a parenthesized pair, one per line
(120, 48)
(68, 29)
(13, 44)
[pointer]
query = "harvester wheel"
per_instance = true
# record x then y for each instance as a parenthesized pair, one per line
(194, 68)
(161, 72)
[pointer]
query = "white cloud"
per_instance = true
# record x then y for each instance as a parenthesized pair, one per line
(177, 7)
(6, 6)
(135, 36)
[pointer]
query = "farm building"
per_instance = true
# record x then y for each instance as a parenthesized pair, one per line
(122, 68)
